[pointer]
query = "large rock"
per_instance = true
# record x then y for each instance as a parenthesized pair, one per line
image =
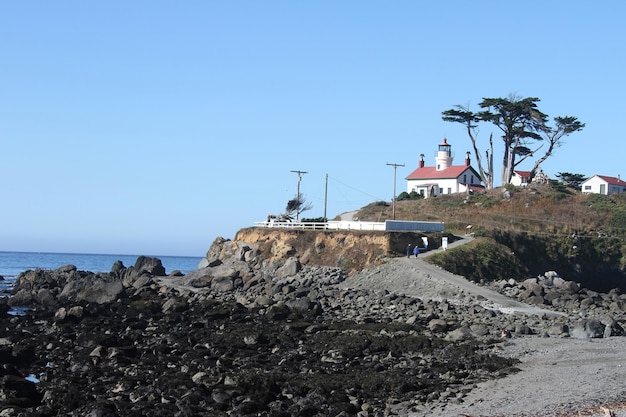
(39, 278)
(291, 267)
(588, 329)
(100, 289)
(225, 250)
(462, 333)
(41, 287)
(222, 276)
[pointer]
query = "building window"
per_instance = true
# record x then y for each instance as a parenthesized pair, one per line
(472, 179)
(464, 178)
(587, 187)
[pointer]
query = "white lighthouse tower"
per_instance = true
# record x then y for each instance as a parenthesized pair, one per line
(444, 156)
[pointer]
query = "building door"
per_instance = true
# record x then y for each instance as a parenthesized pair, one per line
(602, 188)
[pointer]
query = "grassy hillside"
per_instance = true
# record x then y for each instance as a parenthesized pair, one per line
(544, 210)
(546, 227)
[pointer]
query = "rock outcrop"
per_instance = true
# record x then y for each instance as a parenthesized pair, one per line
(263, 328)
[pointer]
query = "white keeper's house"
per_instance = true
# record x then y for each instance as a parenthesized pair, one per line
(602, 184)
(443, 178)
(522, 178)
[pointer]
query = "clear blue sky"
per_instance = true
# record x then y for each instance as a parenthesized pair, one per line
(152, 127)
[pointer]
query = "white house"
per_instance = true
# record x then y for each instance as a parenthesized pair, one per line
(601, 184)
(521, 178)
(443, 178)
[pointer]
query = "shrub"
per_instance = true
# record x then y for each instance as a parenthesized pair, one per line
(481, 260)
(403, 196)
(510, 188)
(315, 220)
(601, 202)
(484, 200)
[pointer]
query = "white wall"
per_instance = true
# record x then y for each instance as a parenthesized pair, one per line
(517, 181)
(443, 186)
(592, 185)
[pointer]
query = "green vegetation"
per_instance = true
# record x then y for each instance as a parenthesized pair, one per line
(481, 260)
(314, 220)
(544, 227)
(484, 200)
(571, 180)
(413, 195)
(522, 125)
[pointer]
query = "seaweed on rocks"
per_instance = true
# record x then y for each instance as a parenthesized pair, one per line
(221, 358)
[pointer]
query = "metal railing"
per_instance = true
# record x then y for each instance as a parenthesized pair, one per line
(356, 225)
(332, 225)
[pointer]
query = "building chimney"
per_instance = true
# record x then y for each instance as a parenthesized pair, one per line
(467, 159)
(421, 165)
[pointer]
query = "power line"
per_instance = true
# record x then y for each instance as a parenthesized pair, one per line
(356, 189)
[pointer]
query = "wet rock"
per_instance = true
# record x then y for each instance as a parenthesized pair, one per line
(17, 391)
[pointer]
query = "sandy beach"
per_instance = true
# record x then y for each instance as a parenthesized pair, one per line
(559, 377)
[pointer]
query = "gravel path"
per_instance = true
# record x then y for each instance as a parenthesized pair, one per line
(412, 276)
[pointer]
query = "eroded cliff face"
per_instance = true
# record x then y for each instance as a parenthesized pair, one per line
(351, 250)
(337, 248)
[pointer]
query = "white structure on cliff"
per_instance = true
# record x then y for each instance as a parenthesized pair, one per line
(387, 225)
(522, 178)
(443, 178)
(602, 184)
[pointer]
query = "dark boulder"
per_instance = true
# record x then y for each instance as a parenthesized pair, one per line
(97, 289)
(152, 266)
(18, 391)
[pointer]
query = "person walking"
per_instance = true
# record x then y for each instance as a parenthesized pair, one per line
(408, 251)
(416, 251)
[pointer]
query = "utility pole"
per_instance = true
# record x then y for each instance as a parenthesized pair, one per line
(393, 202)
(298, 192)
(325, 197)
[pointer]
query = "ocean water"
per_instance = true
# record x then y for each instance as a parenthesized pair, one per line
(13, 263)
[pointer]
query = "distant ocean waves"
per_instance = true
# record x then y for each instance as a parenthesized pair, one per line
(13, 263)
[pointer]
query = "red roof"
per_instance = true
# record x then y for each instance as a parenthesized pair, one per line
(523, 174)
(429, 173)
(612, 180)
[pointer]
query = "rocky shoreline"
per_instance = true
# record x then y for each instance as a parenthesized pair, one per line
(249, 334)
